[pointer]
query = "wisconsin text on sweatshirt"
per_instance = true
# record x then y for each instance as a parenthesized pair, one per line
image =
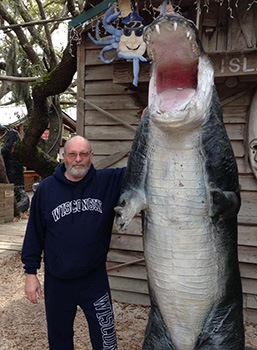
(76, 206)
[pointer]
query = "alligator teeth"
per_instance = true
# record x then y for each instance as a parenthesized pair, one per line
(188, 34)
(179, 89)
(157, 28)
(175, 26)
(147, 38)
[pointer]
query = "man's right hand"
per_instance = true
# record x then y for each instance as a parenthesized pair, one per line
(33, 288)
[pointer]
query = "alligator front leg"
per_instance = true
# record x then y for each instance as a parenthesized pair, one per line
(131, 202)
(133, 198)
(224, 203)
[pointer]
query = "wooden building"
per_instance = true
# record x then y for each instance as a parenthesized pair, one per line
(229, 35)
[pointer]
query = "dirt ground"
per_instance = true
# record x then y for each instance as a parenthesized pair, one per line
(23, 326)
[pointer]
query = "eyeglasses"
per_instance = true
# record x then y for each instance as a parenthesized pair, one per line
(82, 155)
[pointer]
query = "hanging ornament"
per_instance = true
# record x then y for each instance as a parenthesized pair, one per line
(128, 41)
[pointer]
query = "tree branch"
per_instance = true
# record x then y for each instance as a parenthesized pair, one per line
(33, 31)
(33, 56)
(52, 55)
(33, 23)
(17, 79)
(54, 83)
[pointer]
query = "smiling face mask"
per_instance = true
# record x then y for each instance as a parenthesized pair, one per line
(131, 41)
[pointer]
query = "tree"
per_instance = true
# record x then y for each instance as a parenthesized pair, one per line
(28, 53)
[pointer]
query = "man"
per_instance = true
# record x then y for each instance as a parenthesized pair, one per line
(71, 219)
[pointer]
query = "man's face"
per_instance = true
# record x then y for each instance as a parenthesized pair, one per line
(77, 159)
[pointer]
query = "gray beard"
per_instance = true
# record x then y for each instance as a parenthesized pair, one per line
(78, 172)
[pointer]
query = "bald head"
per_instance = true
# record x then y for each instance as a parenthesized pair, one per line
(75, 140)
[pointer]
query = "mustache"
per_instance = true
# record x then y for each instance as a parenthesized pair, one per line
(78, 164)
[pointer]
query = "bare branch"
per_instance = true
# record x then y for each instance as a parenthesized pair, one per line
(53, 58)
(33, 31)
(33, 23)
(33, 56)
(17, 79)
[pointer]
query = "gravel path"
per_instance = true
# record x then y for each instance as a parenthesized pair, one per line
(23, 326)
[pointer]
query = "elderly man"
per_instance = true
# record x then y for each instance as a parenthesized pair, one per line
(71, 219)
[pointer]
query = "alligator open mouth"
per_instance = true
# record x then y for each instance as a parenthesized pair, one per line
(175, 51)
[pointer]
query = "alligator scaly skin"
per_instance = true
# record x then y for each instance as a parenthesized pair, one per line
(179, 250)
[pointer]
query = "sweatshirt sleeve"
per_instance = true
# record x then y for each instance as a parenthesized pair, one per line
(34, 236)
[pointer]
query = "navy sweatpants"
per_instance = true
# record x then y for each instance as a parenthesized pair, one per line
(92, 294)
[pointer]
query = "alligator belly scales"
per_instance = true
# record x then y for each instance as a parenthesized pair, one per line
(182, 176)
(178, 232)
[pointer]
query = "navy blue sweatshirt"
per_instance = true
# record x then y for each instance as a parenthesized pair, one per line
(71, 222)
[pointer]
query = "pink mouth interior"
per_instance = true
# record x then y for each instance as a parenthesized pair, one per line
(176, 76)
(176, 84)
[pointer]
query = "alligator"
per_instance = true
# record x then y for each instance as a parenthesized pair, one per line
(182, 177)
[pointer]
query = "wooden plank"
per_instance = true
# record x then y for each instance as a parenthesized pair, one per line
(93, 55)
(108, 114)
(96, 118)
(112, 159)
(108, 133)
(234, 114)
(123, 102)
(235, 131)
(209, 22)
(10, 246)
(239, 98)
(133, 271)
(234, 63)
(110, 147)
(250, 301)
(119, 164)
(130, 297)
(248, 270)
(243, 166)
(100, 72)
(235, 111)
(247, 79)
(247, 235)
(249, 286)
(247, 255)
(123, 72)
(250, 316)
(118, 256)
(238, 147)
(14, 226)
(4, 252)
(248, 210)
(243, 29)
(128, 284)
(107, 87)
(126, 242)
(7, 238)
(248, 182)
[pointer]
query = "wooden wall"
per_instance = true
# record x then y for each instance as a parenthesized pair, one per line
(6, 203)
(109, 86)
